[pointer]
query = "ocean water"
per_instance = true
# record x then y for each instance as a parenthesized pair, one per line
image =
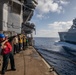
(60, 55)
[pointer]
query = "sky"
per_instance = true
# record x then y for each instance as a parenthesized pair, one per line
(53, 16)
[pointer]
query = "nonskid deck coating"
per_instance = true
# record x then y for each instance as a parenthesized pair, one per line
(28, 62)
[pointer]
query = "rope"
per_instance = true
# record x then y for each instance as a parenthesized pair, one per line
(22, 53)
(24, 63)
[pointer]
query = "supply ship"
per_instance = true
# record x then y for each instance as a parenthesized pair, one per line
(69, 35)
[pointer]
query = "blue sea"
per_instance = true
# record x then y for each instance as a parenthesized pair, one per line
(60, 55)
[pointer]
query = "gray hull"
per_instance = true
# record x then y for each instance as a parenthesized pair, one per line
(68, 36)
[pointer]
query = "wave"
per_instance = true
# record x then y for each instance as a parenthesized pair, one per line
(69, 45)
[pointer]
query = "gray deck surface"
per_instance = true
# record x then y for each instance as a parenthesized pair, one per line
(28, 62)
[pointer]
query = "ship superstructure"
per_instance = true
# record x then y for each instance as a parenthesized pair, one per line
(11, 15)
(70, 35)
(15, 13)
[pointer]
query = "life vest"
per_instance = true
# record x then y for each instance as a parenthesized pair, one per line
(8, 48)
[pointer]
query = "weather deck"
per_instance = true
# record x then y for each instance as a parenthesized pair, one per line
(29, 62)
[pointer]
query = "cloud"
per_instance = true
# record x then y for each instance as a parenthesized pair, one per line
(53, 29)
(60, 26)
(40, 16)
(64, 2)
(46, 33)
(47, 6)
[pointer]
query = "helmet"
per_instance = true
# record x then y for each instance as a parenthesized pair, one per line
(2, 36)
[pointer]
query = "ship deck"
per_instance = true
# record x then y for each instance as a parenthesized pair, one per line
(29, 62)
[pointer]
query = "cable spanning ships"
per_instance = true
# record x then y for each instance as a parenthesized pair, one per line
(70, 35)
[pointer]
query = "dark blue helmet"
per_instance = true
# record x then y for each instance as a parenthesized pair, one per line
(2, 36)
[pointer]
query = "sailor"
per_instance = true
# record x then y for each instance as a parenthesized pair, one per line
(20, 42)
(7, 54)
(16, 46)
(24, 42)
